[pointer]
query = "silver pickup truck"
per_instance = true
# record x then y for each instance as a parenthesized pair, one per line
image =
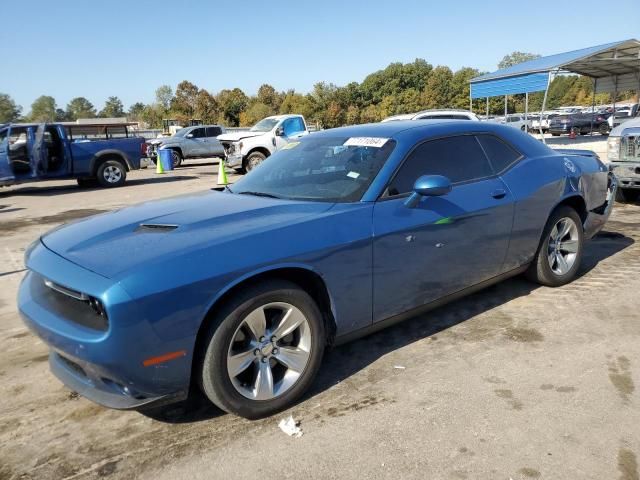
(190, 142)
(623, 153)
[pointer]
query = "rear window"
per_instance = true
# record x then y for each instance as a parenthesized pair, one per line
(92, 133)
(500, 154)
(214, 131)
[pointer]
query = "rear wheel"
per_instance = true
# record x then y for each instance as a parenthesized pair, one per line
(560, 251)
(263, 351)
(111, 173)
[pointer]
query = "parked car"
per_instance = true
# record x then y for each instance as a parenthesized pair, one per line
(623, 152)
(343, 233)
(189, 142)
(623, 114)
(442, 114)
(91, 153)
(245, 150)
(579, 124)
(538, 122)
(515, 121)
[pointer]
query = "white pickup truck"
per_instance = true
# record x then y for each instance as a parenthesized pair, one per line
(245, 150)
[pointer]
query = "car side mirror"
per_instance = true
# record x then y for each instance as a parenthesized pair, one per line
(428, 186)
(280, 131)
(189, 135)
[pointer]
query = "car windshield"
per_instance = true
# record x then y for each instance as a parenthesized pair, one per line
(264, 125)
(181, 133)
(327, 169)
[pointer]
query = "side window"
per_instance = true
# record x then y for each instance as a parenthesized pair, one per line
(500, 154)
(292, 126)
(198, 133)
(214, 131)
(459, 158)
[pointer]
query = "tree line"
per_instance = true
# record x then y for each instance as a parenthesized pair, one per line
(398, 88)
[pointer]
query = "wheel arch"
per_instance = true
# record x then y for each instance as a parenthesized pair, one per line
(575, 201)
(106, 155)
(303, 276)
(264, 150)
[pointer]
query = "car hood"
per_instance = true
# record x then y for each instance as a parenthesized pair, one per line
(235, 136)
(618, 131)
(113, 243)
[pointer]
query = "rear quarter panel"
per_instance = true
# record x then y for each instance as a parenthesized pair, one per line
(85, 154)
(538, 185)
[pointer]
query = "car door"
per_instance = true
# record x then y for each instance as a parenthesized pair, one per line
(292, 128)
(213, 145)
(444, 244)
(196, 146)
(6, 173)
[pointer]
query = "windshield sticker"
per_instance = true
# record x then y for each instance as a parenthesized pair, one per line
(353, 174)
(290, 145)
(376, 142)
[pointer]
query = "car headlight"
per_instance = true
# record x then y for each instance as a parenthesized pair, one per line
(613, 149)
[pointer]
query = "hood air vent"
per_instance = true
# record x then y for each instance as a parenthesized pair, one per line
(155, 227)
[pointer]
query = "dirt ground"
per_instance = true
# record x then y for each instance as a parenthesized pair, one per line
(514, 382)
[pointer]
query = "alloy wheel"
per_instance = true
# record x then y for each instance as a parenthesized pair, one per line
(269, 351)
(564, 243)
(112, 174)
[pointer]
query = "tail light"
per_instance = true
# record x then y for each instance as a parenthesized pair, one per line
(143, 149)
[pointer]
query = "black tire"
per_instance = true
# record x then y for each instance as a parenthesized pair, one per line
(603, 129)
(627, 195)
(575, 130)
(523, 128)
(176, 158)
(87, 182)
(111, 173)
(212, 371)
(253, 160)
(540, 270)
(239, 170)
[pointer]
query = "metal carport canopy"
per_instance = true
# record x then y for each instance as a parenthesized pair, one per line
(616, 66)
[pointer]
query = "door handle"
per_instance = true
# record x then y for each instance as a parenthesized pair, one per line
(499, 193)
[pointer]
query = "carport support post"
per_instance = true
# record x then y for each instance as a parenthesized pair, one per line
(544, 106)
(593, 104)
(505, 109)
(526, 109)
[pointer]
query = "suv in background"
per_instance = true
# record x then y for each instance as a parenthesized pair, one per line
(444, 114)
(189, 142)
(580, 124)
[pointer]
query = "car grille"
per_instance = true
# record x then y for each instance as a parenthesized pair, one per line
(630, 147)
(68, 304)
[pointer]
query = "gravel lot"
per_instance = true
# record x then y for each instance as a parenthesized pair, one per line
(515, 382)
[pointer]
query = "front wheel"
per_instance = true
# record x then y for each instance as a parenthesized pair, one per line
(560, 251)
(176, 158)
(253, 160)
(263, 350)
(111, 173)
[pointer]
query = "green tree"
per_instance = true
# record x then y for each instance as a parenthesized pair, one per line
(43, 109)
(296, 103)
(516, 57)
(353, 115)
(152, 115)
(268, 96)
(232, 103)
(113, 108)
(460, 87)
(164, 95)
(438, 92)
(207, 108)
(135, 111)
(256, 112)
(185, 100)
(9, 111)
(80, 107)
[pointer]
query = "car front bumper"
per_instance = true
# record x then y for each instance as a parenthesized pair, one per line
(106, 363)
(627, 173)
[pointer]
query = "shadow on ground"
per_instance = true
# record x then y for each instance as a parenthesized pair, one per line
(344, 361)
(44, 190)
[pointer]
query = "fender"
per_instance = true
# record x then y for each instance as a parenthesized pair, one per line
(111, 152)
(269, 268)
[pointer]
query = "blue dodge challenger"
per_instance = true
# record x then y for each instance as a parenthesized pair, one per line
(239, 292)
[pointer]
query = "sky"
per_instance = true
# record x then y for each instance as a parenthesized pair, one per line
(128, 48)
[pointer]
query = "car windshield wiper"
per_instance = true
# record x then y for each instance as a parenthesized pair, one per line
(259, 194)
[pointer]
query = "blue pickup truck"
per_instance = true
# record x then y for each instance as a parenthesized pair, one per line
(93, 153)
